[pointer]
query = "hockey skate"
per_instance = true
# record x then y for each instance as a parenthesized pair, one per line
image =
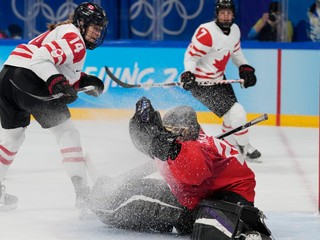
(7, 201)
(82, 198)
(254, 235)
(250, 153)
(251, 236)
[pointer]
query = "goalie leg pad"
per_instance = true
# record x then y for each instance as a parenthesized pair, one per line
(143, 204)
(226, 220)
(213, 222)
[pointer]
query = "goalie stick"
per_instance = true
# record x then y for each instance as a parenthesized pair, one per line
(171, 84)
(248, 124)
(54, 96)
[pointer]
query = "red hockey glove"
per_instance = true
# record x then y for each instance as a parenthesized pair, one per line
(57, 83)
(246, 72)
(188, 80)
(90, 80)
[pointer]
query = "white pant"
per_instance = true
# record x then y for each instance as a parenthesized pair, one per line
(234, 118)
(67, 137)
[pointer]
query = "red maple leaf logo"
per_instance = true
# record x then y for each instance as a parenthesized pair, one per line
(221, 64)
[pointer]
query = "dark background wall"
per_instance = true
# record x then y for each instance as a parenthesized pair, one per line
(169, 16)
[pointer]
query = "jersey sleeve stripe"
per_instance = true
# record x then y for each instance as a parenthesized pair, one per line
(237, 49)
(24, 55)
(194, 54)
(24, 47)
(49, 48)
(199, 50)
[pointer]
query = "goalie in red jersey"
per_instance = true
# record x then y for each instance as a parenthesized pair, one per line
(208, 189)
(208, 177)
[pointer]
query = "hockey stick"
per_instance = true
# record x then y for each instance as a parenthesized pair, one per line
(248, 124)
(172, 84)
(54, 96)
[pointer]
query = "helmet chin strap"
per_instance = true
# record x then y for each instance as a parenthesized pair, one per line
(225, 27)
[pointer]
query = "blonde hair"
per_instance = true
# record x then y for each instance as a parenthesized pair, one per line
(52, 26)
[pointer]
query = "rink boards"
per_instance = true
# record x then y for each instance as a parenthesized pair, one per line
(287, 88)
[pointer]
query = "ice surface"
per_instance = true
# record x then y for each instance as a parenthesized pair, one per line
(287, 183)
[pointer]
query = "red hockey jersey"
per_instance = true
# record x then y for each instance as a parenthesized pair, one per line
(206, 166)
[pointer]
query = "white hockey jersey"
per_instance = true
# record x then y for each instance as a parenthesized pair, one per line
(210, 50)
(60, 51)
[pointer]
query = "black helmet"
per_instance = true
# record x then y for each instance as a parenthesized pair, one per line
(90, 13)
(225, 4)
(182, 121)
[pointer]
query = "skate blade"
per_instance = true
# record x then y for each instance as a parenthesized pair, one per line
(86, 215)
(8, 207)
(254, 160)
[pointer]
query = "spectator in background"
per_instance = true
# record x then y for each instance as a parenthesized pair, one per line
(15, 31)
(3, 34)
(269, 25)
(313, 29)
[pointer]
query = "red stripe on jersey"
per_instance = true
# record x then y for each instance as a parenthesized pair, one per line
(198, 50)
(202, 77)
(237, 45)
(73, 159)
(194, 54)
(24, 47)
(204, 37)
(61, 53)
(6, 151)
(76, 45)
(25, 55)
(235, 50)
(5, 161)
(74, 149)
(38, 40)
(50, 50)
(208, 77)
(200, 70)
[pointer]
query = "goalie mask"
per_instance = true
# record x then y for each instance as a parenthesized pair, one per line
(225, 5)
(182, 121)
(90, 14)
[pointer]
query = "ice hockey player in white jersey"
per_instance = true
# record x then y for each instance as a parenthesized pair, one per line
(206, 57)
(50, 64)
